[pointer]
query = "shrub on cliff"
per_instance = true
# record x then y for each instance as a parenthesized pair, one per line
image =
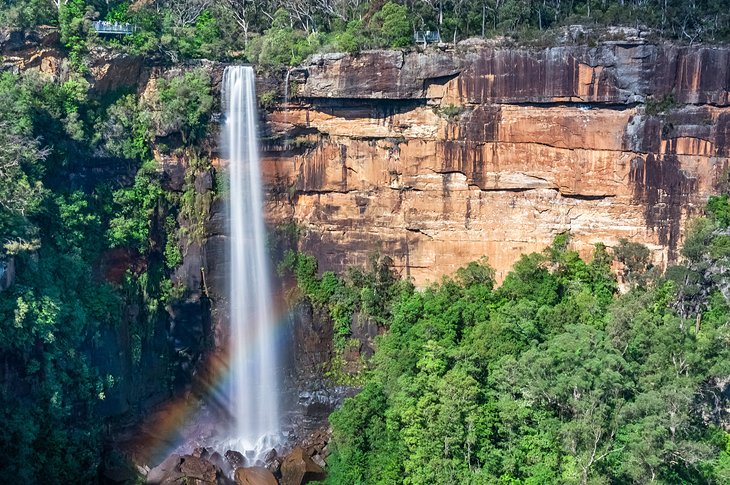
(282, 44)
(56, 309)
(26, 13)
(391, 27)
(125, 130)
(133, 209)
(39, 123)
(202, 38)
(185, 103)
(21, 170)
(371, 292)
(352, 39)
(719, 210)
(74, 19)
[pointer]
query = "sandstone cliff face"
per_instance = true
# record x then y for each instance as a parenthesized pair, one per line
(40, 51)
(36, 50)
(438, 158)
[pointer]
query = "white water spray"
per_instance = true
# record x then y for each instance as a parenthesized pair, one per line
(253, 397)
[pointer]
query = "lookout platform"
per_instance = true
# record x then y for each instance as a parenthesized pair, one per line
(427, 37)
(114, 28)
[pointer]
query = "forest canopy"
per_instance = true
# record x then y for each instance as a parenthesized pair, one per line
(78, 188)
(286, 31)
(551, 377)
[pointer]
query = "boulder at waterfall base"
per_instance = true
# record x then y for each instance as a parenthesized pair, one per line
(183, 469)
(298, 468)
(255, 475)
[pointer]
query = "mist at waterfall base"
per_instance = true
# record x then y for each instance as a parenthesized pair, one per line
(252, 397)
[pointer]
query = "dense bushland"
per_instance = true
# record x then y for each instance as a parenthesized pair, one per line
(552, 377)
(76, 181)
(286, 31)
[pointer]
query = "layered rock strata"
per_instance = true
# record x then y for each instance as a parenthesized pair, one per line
(438, 158)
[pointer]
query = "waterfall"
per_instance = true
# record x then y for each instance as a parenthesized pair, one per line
(253, 395)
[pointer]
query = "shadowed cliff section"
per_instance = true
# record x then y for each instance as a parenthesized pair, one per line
(465, 138)
(664, 190)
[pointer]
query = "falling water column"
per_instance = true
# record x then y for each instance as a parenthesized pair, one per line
(253, 398)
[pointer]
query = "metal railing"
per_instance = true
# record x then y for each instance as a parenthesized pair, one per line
(123, 28)
(427, 37)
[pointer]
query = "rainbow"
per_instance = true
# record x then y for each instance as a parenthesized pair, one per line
(197, 417)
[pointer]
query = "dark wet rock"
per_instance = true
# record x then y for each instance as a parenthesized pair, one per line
(270, 455)
(272, 461)
(364, 329)
(118, 469)
(216, 259)
(313, 333)
(318, 441)
(298, 468)
(11, 40)
(317, 458)
(316, 446)
(204, 182)
(255, 475)
(275, 466)
(7, 272)
(220, 462)
(324, 400)
(173, 170)
(235, 459)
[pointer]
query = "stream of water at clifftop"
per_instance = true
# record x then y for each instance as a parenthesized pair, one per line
(253, 394)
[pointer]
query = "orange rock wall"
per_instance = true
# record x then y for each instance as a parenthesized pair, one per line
(495, 153)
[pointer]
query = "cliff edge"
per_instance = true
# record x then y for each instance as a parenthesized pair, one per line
(440, 157)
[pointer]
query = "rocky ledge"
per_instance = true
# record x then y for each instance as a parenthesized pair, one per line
(205, 466)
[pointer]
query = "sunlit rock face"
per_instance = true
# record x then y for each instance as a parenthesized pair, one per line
(438, 158)
(32, 50)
